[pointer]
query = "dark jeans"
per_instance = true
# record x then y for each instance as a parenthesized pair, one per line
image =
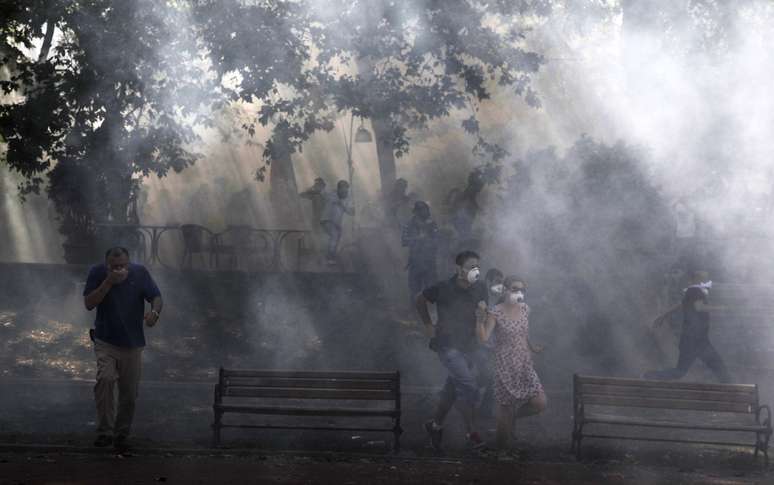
(693, 347)
(462, 382)
(486, 382)
(334, 236)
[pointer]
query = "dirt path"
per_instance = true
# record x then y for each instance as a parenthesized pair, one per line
(87, 469)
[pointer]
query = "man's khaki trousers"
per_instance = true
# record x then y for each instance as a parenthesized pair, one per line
(117, 367)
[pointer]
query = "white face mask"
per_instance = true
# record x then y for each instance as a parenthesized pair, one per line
(516, 297)
(496, 289)
(473, 275)
(704, 287)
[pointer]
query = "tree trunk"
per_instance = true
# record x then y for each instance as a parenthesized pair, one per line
(383, 135)
(284, 192)
(119, 196)
(47, 39)
(385, 151)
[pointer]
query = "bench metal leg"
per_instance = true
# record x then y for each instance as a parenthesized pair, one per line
(397, 431)
(577, 437)
(216, 430)
(762, 446)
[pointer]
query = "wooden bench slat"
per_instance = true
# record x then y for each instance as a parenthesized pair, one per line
(268, 386)
(691, 405)
(671, 440)
(310, 374)
(665, 395)
(626, 420)
(310, 383)
(348, 429)
(299, 411)
(698, 386)
(301, 393)
(668, 393)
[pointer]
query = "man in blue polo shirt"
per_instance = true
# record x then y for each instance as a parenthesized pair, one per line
(118, 290)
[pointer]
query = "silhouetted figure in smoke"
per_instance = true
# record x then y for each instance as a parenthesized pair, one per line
(119, 289)
(464, 207)
(517, 388)
(454, 339)
(336, 205)
(694, 340)
(420, 236)
(396, 204)
(685, 230)
(670, 290)
(316, 194)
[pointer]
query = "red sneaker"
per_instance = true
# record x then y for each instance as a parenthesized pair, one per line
(475, 440)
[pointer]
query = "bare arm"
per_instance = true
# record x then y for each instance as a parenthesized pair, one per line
(95, 297)
(424, 314)
(660, 319)
(157, 305)
(534, 348)
(700, 306)
(484, 327)
(152, 317)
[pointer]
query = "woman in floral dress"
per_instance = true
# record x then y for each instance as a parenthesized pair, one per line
(517, 388)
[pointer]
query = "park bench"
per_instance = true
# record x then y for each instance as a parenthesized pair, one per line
(648, 401)
(338, 394)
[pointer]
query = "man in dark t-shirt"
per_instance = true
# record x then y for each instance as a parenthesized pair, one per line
(316, 194)
(694, 340)
(454, 339)
(118, 290)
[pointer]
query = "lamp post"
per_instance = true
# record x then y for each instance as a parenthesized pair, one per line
(362, 136)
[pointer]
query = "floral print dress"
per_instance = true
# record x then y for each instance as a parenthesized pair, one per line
(515, 379)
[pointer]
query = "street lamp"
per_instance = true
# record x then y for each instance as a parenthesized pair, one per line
(362, 136)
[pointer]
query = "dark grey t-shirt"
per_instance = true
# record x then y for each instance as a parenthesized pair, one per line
(456, 312)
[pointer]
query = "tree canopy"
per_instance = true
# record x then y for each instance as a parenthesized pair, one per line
(400, 64)
(97, 93)
(111, 98)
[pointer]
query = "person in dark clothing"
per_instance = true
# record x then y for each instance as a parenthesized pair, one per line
(694, 340)
(118, 290)
(465, 208)
(420, 236)
(396, 204)
(316, 195)
(458, 302)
